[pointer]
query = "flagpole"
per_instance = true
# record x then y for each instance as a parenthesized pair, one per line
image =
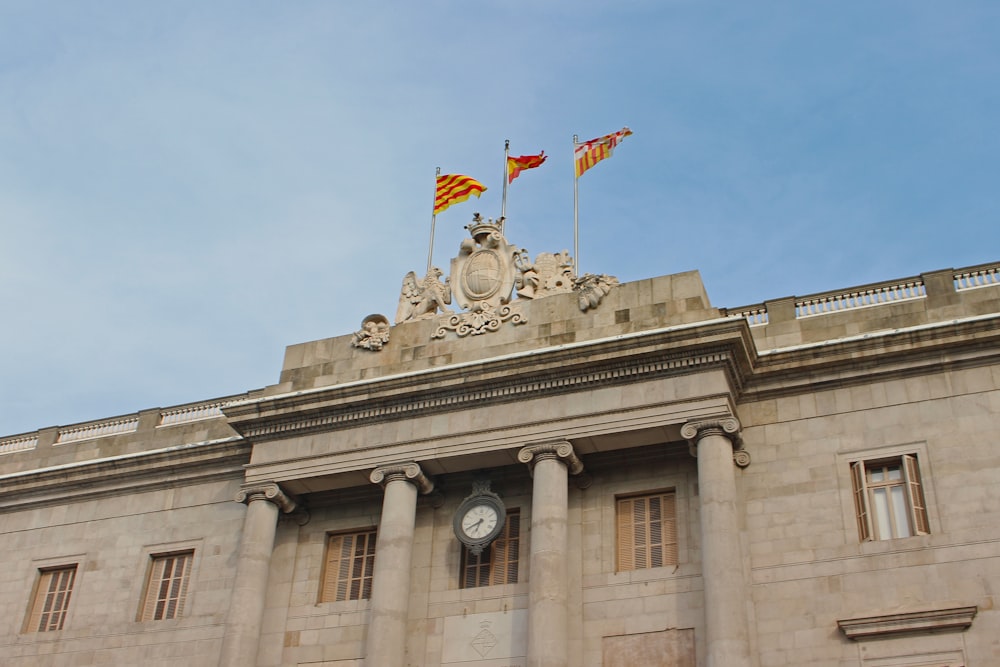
(503, 200)
(430, 250)
(576, 213)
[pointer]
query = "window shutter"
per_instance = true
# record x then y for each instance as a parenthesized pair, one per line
(48, 609)
(347, 572)
(498, 563)
(152, 589)
(647, 531)
(915, 494)
(861, 500)
(626, 535)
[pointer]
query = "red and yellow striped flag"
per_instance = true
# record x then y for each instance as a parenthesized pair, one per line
(589, 153)
(453, 189)
(515, 165)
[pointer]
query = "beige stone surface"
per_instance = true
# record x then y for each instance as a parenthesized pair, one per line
(918, 377)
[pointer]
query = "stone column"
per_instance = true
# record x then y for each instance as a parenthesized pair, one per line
(246, 603)
(548, 588)
(726, 627)
(386, 642)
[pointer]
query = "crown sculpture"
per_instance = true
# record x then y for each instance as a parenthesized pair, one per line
(488, 271)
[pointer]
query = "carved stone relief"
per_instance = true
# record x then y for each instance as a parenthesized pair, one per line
(374, 333)
(421, 299)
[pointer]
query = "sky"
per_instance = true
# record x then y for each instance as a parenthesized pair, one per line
(188, 187)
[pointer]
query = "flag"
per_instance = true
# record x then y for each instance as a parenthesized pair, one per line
(454, 189)
(589, 153)
(515, 165)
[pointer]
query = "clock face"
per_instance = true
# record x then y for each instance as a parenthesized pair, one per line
(479, 521)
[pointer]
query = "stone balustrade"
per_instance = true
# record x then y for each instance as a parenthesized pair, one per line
(866, 296)
(833, 302)
(98, 429)
(194, 412)
(977, 276)
(18, 444)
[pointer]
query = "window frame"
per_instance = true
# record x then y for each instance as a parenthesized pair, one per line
(912, 483)
(149, 606)
(331, 583)
(39, 597)
(487, 561)
(626, 554)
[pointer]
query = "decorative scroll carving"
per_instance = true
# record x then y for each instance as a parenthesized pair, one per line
(374, 333)
(421, 299)
(593, 288)
(549, 274)
(560, 449)
(741, 457)
(267, 491)
(409, 472)
(482, 318)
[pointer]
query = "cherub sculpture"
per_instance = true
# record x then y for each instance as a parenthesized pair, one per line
(422, 298)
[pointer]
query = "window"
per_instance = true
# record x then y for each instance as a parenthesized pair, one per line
(888, 498)
(498, 563)
(647, 531)
(51, 599)
(167, 586)
(347, 572)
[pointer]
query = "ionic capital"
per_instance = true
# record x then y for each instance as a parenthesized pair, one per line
(268, 491)
(727, 427)
(407, 472)
(559, 450)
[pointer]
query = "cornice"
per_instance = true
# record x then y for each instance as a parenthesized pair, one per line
(875, 356)
(902, 623)
(129, 473)
(725, 344)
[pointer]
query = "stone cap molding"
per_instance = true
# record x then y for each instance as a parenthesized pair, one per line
(409, 471)
(923, 621)
(267, 491)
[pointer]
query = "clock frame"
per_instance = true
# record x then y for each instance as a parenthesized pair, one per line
(481, 497)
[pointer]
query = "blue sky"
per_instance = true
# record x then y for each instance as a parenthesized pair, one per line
(188, 187)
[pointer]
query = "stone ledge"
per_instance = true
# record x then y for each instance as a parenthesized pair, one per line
(928, 620)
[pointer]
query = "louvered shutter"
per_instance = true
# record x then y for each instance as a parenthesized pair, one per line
(915, 495)
(860, 492)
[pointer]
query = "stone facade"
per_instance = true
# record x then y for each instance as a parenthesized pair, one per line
(755, 426)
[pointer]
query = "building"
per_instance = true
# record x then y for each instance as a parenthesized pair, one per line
(642, 479)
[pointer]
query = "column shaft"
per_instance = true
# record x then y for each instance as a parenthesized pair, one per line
(726, 628)
(548, 587)
(246, 605)
(386, 641)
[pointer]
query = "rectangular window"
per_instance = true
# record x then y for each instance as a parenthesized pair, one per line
(647, 531)
(166, 589)
(52, 593)
(347, 572)
(498, 563)
(888, 498)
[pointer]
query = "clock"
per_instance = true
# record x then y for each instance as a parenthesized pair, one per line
(479, 520)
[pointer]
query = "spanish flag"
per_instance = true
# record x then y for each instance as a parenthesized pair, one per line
(515, 165)
(589, 153)
(454, 189)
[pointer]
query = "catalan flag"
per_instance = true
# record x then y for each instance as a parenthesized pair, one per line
(515, 165)
(454, 189)
(589, 153)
